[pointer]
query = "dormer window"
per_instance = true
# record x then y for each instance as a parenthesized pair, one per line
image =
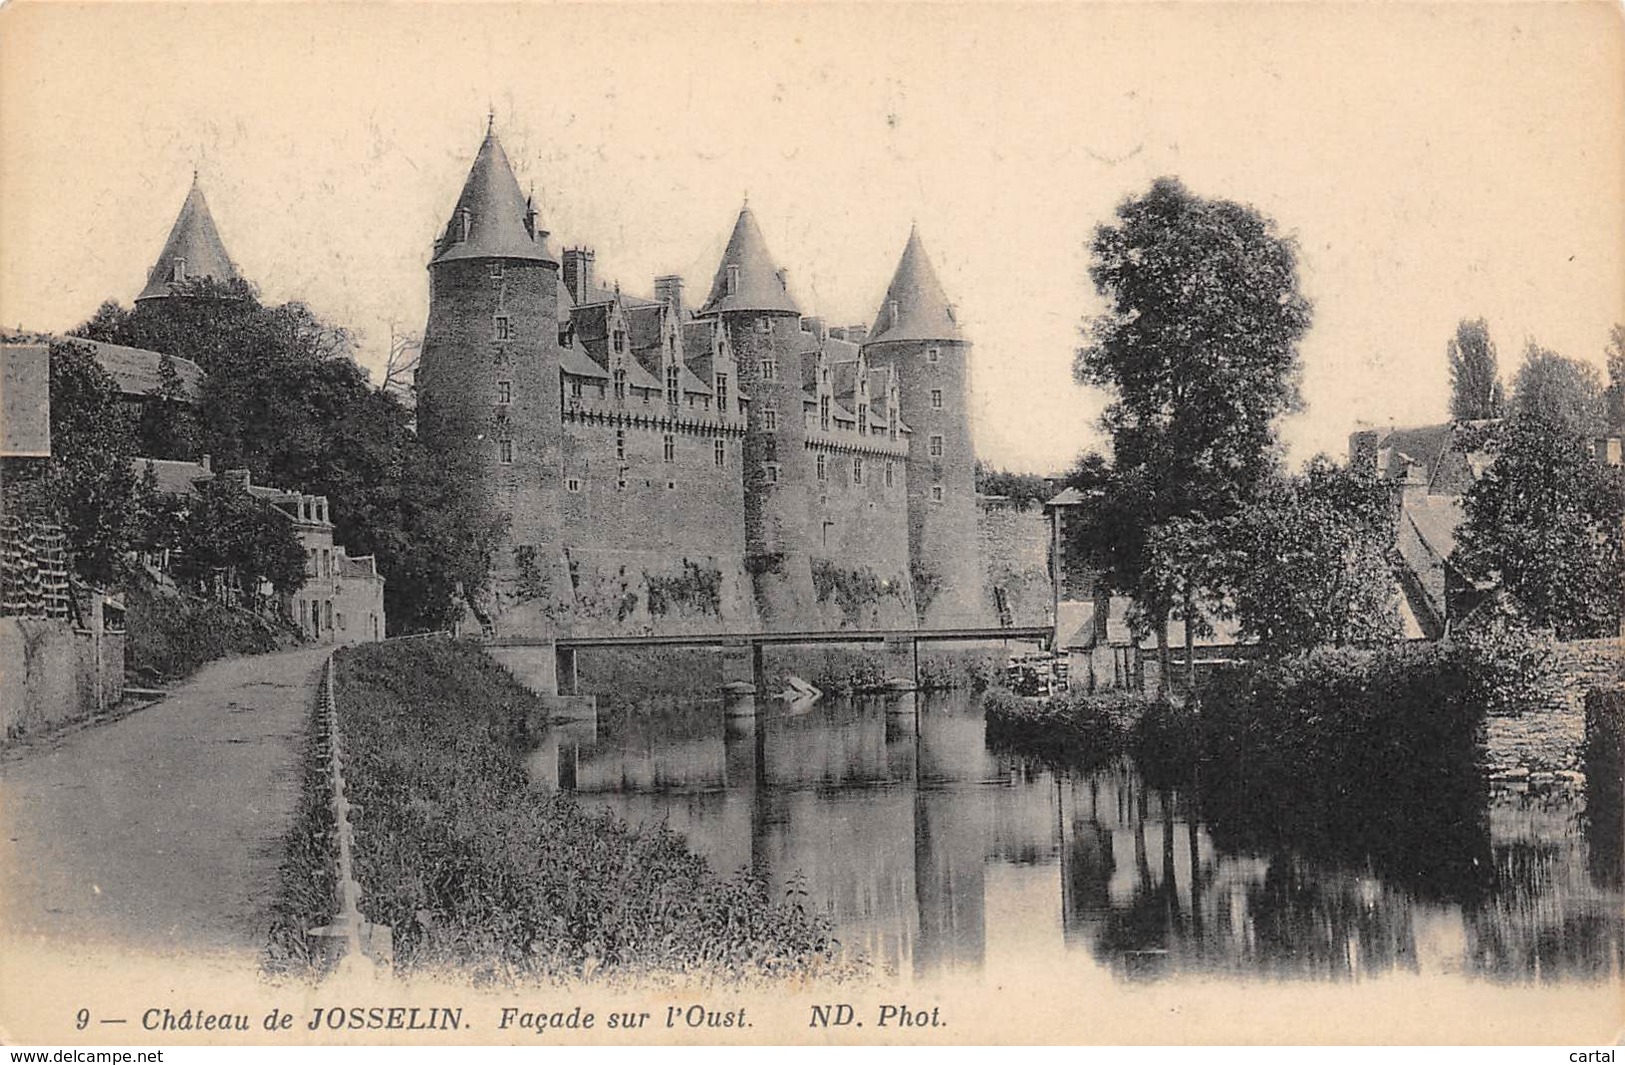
(620, 340)
(896, 312)
(863, 418)
(823, 413)
(722, 393)
(466, 217)
(620, 383)
(671, 385)
(733, 279)
(503, 329)
(177, 272)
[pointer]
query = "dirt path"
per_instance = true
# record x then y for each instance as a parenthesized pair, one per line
(161, 831)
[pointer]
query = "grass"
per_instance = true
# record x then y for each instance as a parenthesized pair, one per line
(478, 872)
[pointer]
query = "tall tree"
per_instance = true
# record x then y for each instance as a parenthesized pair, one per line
(1614, 394)
(1558, 392)
(1545, 521)
(1199, 346)
(1475, 382)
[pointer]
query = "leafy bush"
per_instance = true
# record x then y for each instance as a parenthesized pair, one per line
(172, 635)
(1074, 727)
(1512, 668)
(695, 586)
(478, 872)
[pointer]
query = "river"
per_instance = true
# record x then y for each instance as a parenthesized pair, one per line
(935, 854)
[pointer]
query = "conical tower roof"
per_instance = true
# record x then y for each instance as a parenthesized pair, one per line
(194, 250)
(916, 308)
(494, 211)
(758, 285)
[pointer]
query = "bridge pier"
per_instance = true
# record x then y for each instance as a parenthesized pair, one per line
(903, 659)
(567, 679)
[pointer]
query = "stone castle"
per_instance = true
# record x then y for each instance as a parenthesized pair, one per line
(726, 467)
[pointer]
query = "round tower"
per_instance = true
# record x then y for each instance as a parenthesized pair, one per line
(193, 252)
(916, 334)
(750, 298)
(488, 376)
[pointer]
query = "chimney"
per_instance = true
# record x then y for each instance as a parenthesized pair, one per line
(578, 272)
(669, 290)
(206, 462)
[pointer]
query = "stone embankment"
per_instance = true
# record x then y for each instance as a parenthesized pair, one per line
(1545, 747)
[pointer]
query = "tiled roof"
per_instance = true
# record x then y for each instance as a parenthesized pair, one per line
(194, 239)
(1436, 519)
(923, 311)
(1069, 497)
(496, 211)
(759, 286)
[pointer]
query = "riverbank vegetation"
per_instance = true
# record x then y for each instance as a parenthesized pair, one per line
(478, 872)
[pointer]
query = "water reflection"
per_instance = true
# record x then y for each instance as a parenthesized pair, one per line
(934, 853)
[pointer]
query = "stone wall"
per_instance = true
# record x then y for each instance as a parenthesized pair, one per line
(1542, 745)
(1015, 549)
(858, 540)
(51, 673)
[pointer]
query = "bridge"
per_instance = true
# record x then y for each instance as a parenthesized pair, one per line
(554, 673)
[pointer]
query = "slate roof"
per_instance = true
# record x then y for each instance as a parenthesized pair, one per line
(760, 286)
(356, 567)
(136, 369)
(194, 238)
(496, 213)
(25, 400)
(923, 311)
(174, 477)
(698, 338)
(1451, 455)
(1436, 519)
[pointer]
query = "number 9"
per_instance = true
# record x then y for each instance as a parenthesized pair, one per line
(82, 1018)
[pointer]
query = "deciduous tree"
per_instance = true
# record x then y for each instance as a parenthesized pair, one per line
(1475, 382)
(1198, 344)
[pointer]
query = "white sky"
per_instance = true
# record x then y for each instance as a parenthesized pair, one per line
(1434, 163)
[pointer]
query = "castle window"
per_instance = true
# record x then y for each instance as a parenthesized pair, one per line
(888, 473)
(770, 420)
(764, 324)
(670, 448)
(327, 611)
(936, 493)
(933, 355)
(620, 444)
(573, 484)
(505, 452)
(719, 451)
(733, 279)
(823, 413)
(722, 393)
(504, 391)
(769, 369)
(823, 468)
(620, 384)
(936, 399)
(771, 472)
(496, 269)
(671, 385)
(575, 388)
(620, 340)
(857, 470)
(936, 445)
(863, 417)
(504, 328)
(770, 448)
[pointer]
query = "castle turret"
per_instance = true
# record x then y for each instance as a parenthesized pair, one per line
(488, 378)
(917, 335)
(194, 250)
(751, 299)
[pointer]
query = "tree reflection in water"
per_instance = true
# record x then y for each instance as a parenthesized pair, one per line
(924, 845)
